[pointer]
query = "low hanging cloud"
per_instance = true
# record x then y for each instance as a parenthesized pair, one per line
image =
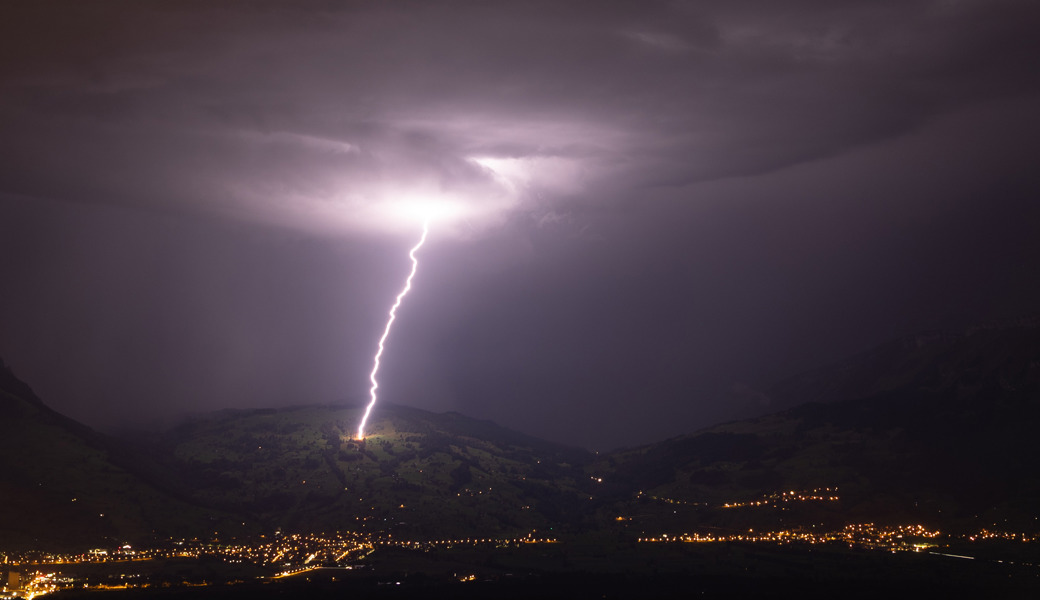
(323, 116)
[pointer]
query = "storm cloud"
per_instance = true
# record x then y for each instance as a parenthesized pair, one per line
(311, 112)
(741, 167)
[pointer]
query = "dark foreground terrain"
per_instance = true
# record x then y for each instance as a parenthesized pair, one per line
(649, 571)
(908, 471)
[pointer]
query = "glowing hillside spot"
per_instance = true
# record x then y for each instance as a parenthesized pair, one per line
(386, 332)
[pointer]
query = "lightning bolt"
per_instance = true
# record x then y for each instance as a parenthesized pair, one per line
(386, 332)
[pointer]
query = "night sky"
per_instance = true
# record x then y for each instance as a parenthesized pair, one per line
(658, 208)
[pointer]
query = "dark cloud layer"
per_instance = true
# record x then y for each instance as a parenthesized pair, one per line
(669, 201)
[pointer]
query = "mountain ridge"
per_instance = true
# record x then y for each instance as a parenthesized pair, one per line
(65, 485)
(942, 435)
(902, 362)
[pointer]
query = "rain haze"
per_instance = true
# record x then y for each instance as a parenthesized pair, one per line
(642, 214)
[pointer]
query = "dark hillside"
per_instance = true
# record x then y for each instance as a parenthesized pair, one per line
(417, 473)
(938, 431)
(65, 485)
(928, 361)
(942, 433)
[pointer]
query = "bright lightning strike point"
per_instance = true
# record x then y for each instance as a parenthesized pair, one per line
(386, 332)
